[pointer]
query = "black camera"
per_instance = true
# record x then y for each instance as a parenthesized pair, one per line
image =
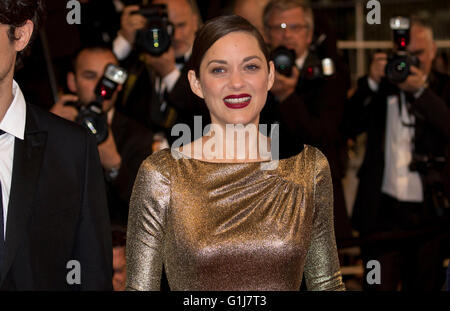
(318, 69)
(156, 37)
(399, 63)
(283, 59)
(92, 116)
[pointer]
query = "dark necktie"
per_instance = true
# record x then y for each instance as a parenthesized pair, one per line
(2, 240)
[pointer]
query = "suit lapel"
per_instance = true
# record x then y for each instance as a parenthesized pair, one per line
(28, 155)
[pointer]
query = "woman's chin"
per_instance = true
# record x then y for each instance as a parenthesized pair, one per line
(240, 120)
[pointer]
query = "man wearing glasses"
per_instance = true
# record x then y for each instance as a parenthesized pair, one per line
(307, 104)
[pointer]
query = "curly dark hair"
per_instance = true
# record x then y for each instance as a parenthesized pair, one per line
(15, 13)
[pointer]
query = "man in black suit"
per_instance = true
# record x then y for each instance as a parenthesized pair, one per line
(308, 108)
(157, 93)
(128, 142)
(54, 225)
(400, 204)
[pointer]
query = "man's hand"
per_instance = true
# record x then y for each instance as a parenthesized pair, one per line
(377, 67)
(415, 81)
(66, 112)
(163, 64)
(130, 23)
(109, 156)
(284, 86)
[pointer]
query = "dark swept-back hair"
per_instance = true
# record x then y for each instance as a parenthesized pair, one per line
(217, 28)
(15, 13)
(90, 48)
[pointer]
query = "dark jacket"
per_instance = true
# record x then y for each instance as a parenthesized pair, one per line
(313, 115)
(57, 209)
(367, 112)
(134, 144)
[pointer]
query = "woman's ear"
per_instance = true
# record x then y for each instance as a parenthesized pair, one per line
(271, 77)
(195, 84)
(23, 33)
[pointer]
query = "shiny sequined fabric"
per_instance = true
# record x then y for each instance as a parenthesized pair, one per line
(232, 226)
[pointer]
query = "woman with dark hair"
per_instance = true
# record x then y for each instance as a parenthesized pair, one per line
(221, 221)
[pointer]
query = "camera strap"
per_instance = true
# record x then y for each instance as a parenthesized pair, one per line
(133, 75)
(405, 105)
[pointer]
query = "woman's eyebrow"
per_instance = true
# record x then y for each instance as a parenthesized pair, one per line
(224, 62)
(220, 61)
(250, 58)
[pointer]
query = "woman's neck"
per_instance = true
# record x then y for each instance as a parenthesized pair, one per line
(231, 144)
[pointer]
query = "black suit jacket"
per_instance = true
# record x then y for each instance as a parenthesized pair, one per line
(134, 144)
(367, 112)
(57, 209)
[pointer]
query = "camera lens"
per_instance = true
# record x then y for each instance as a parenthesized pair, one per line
(156, 38)
(92, 118)
(397, 69)
(284, 60)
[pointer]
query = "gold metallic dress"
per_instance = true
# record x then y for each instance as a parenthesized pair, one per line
(232, 226)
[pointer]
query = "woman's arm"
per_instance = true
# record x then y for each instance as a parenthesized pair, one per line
(145, 235)
(322, 271)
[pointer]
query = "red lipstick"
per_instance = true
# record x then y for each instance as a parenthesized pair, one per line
(237, 101)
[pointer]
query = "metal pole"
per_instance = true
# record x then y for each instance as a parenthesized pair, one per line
(48, 61)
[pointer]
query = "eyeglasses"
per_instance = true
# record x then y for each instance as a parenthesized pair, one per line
(292, 27)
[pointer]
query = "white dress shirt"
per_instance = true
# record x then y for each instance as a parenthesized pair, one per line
(13, 124)
(300, 61)
(121, 47)
(398, 181)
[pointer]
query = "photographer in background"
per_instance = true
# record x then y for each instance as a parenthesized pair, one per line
(157, 93)
(400, 205)
(307, 103)
(128, 143)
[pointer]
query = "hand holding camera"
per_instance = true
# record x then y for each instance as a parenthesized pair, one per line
(155, 37)
(284, 86)
(163, 64)
(415, 82)
(91, 115)
(130, 23)
(399, 63)
(60, 108)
